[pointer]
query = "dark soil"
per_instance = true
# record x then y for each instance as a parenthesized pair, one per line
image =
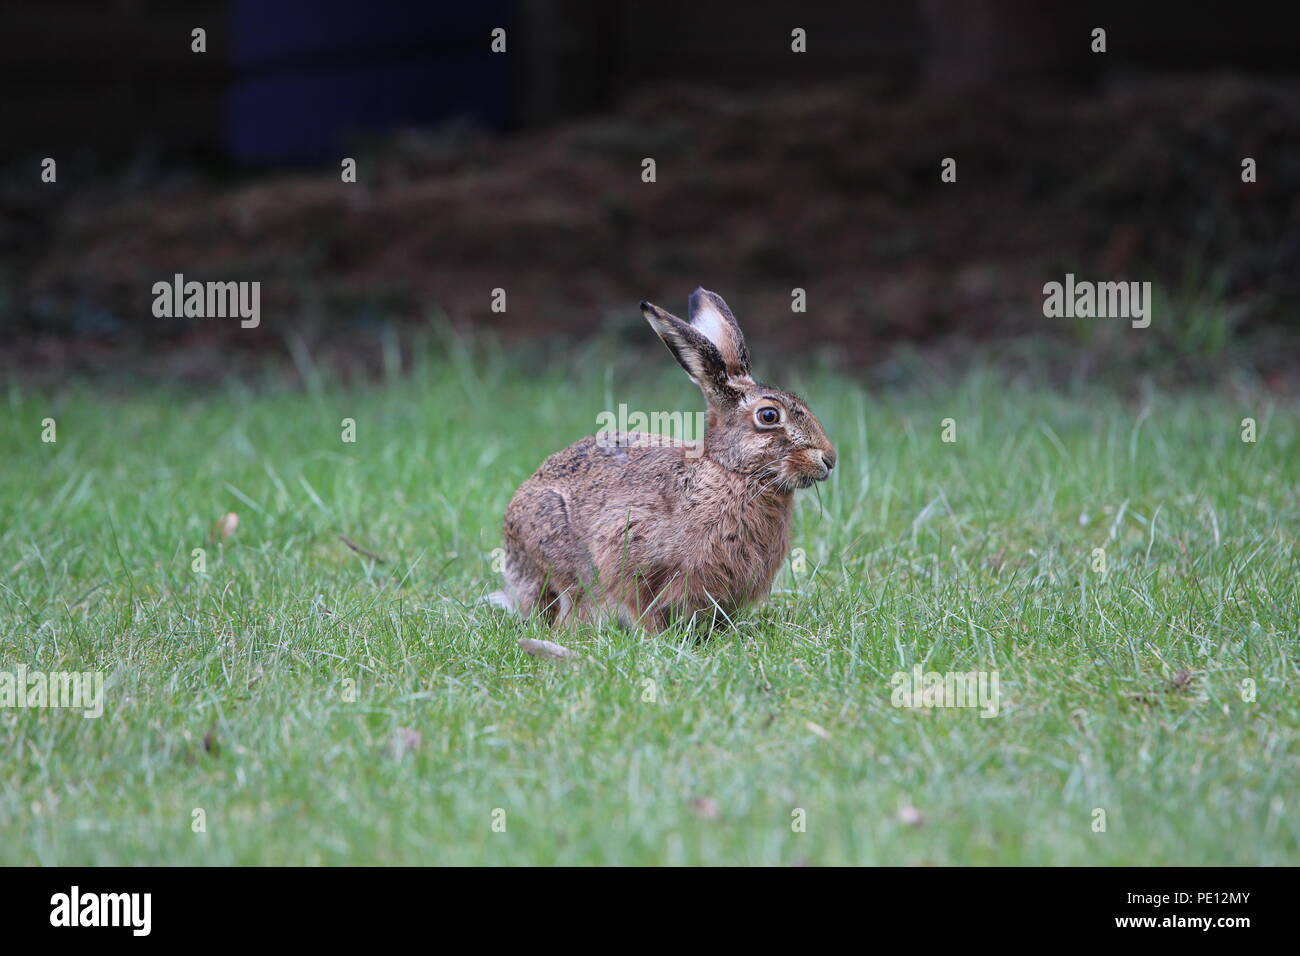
(836, 191)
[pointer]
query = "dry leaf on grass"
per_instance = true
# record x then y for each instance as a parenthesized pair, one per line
(365, 552)
(548, 650)
(908, 815)
(226, 525)
(818, 729)
(706, 808)
(406, 740)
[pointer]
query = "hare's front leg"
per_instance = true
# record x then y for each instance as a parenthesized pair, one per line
(633, 615)
(647, 607)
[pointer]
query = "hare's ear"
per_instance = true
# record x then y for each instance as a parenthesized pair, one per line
(711, 317)
(696, 353)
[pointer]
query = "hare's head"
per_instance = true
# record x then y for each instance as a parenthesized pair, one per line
(753, 429)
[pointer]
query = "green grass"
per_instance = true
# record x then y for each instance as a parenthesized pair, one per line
(974, 555)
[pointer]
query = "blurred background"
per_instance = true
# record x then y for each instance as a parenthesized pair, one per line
(775, 171)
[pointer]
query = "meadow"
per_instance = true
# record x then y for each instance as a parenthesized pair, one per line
(1124, 562)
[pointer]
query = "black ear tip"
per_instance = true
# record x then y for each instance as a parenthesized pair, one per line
(645, 306)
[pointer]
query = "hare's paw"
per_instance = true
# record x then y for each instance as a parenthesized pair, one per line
(502, 600)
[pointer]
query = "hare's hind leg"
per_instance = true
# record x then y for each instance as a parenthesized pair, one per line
(528, 588)
(548, 568)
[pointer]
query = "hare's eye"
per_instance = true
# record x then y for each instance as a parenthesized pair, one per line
(768, 415)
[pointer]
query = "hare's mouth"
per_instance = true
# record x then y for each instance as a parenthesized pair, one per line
(789, 481)
(816, 467)
(807, 481)
(798, 471)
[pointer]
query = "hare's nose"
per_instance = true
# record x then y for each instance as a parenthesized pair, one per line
(828, 459)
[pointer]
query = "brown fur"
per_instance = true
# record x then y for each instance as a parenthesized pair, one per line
(648, 529)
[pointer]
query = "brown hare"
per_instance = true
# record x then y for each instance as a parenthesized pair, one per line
(648, 529)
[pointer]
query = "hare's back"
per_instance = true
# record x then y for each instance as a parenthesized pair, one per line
(619, 458)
